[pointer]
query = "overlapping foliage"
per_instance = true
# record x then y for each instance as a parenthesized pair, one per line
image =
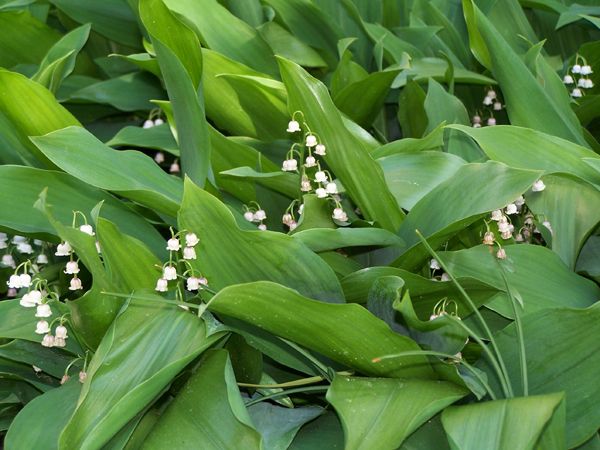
(433, 285)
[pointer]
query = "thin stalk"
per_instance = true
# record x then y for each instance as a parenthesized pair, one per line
(289, 391)
(520, 336)
(301, 382)
(468, 366)
(497, 361)
(318, 364)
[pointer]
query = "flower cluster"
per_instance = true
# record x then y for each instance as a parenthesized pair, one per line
(181, 255)
(579, 78)
(254, 213)
(434, 265)
(309, 151)
(492, 103)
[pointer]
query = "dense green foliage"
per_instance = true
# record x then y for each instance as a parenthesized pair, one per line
(303, 224)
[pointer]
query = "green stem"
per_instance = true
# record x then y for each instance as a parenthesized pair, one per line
(318, 364)
(468, 366)
(289, 391)
(497, 361)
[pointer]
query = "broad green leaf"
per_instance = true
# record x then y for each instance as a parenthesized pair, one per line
(570, 344)
(423, 68)
(307, 22)
(227, 255)
(381, 412)
(362, 101)
(241, 42)
(146, 346)
(289, 46)
(347, 157)
(128, 173)
(411, 176)
(32, 110)
(250, 11)
(65, 194)
(572, 207)
(540, 111)
(517, 423)
(208, 413)
(279, 425)
(113, 19)
(323, 239)
(59, 62)
(348, 334)
(429, 435)
(158, 138)
(443, 211)
(130, 92)
(411, 111)
(535, 272)
(180, 59)
(531, 149)
(52, 361)
(588, 262)
(24, 39)
(129, 262)
(35, 426)
(282, 182)
(440, 107)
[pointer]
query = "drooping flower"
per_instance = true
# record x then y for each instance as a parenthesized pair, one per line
(42, 327)
(158, 122)
(310, 161)
(159, 157)
(63, 249)
(497, 106)
(331, 188)
(59, 342)
(193, 283)
(511, 208)
(82, 376)
(262, 227)
(538, 186)
(311, 140)
(293, 126)
(148, 124)
(41, 259)
(320, 150)
(25, 280)
(31, 299)
(170, 273)
(491, 122)
(434, 264)
(259, 215)
(501, 254)
(340, 214)
(321, 193)
(191, 240)
(588, 84)
(576, 68)
(189, 253)
(162, 285)
(488, 238)
(497, 215)
(519, 201)
(576, 93)
(445, 277)
(87, 229)
(305, 185)
(72, 268)
(487, 100)
(64, 379)
(14, 282)
(24, 248)
(568, 79)
(8, 260)
(289, 165)
(43, 310)
(321, 177)
(61, 332)
(586, 70)
(173, 245)
(48, 340)
(292, 225)
(174, 168)
(249, 216)
(75, 284)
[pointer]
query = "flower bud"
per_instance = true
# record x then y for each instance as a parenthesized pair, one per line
(82, 376)
(64, 379)
(488, 238)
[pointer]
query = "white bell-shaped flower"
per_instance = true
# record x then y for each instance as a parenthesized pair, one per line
(506, 235)
(321, 177)
(487, 100)
(162, 285)
(159, 157)
(170, 273)
(24, 248)
(497, 215)
(72, 268)
(59, 342)
(491, 122)
(503, 226)
(305, 186)
(174, 168)
(63, 249)
(331, 188)
(48, 341)
(538, 186)
(191, 240)
(321, 193)
(491, 93)
(3, 244)
(576, 68)
(339, 214)
(519, 201)
(25, 280)
(581, 82)
(75, 284)
(14, 281)
(476, 119)
(576, 93)
(193, 283)
(311, 140)
(249, 216)
(511, 208)
(43, 310)
(287, 218)
(259, 215)
(497, 106)
(41, 259)
(173, 245)
(320, 150)
(18, 239)
(293, 126)
(488, 238)
(148, 124)
(588, 84)
(519, 237)
(158, 122)
(293, 225)
(87, 229)
(310, 161)
(289, 165)
(445, 277)
(82, 376)
(434, 264)
(189, 253)
(31, 299)
(568, 79)
(42, 327)
(262, 227)
(586, 70)
(61, 332)
(8, 260)
(501, 254)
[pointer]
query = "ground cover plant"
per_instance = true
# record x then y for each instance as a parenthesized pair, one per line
(303, 224)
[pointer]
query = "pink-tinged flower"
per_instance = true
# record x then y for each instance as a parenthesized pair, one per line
(75, 284)
(501, 254)
(48, 341)
(339, 214)
(488, 238)
(72, 268)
